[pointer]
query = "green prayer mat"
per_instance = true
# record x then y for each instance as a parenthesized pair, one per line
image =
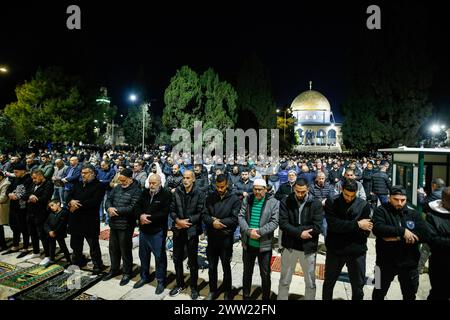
(25, 278)
(62, 287)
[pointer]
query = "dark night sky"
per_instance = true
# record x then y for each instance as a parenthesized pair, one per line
(124, 45)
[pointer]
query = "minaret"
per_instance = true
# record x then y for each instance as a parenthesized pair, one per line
(310, 85)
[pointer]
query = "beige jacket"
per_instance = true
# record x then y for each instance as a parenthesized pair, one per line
(4, 202)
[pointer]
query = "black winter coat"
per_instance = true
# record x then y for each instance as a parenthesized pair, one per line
(86, 220)
(284, 191)
(44, 194)
(226, 209)
(187, 206)
(173, 182)
(21, 187)
(158, 208)
(124, 200)
(57, 222)
(389, 222)
(438, 224)
(381, 183)
(311, 218)
(318, 193)
(344, 237)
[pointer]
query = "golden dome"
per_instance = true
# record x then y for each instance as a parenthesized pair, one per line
(310, 101)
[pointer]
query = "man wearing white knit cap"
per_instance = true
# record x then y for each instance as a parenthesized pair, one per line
(258, 219)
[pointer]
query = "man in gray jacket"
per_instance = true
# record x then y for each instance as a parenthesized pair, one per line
(258, 219)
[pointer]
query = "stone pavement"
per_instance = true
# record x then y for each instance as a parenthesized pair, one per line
(110, 290)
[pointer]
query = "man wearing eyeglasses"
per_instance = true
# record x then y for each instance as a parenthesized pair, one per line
(258, 219)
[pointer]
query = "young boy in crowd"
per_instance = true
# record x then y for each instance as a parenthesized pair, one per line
(56, 229)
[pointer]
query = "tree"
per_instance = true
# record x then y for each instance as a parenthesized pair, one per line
(389, 100)
(132, 126)
(255, 94)
(52, 106)
(7, 136)
(190, 97)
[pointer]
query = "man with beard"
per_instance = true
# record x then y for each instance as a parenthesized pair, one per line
(220, 216)
(84, 222)
(186, 209)
(349, 225)
(18, 192)
(287, 188)
(258, 219)
(301, 220)
(398, 230)
(37, 213)
(174, 181)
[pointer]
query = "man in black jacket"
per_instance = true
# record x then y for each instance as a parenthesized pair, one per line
(300, 220)
(349, 225)
(381, 184)
(120, 208)
(287, 188)
(438, 223)
(186, 209)
(398, 230)
(37, 213)
(84, 221)
(152, 211)
(18, 192)
(220, 216)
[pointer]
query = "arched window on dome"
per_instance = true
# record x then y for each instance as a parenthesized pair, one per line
(321, 137)
(332, 137)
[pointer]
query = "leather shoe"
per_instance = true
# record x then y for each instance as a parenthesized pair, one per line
(125, 279)
(159, 288)
(98, 270)
(110, 275)
(140, 283)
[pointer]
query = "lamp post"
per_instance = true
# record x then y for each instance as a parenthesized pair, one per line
(3, 69)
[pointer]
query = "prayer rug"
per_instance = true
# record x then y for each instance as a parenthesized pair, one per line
(275, 265)
(62, 287)
(22, 279)
(6, 267)
(104, 235)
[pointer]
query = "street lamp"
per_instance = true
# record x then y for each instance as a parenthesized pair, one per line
(134, 98)
(3, 69)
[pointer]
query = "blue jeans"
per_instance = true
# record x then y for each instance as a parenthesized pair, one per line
(156, 244)
(324, 227)
(58, 193)
(103, 209)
